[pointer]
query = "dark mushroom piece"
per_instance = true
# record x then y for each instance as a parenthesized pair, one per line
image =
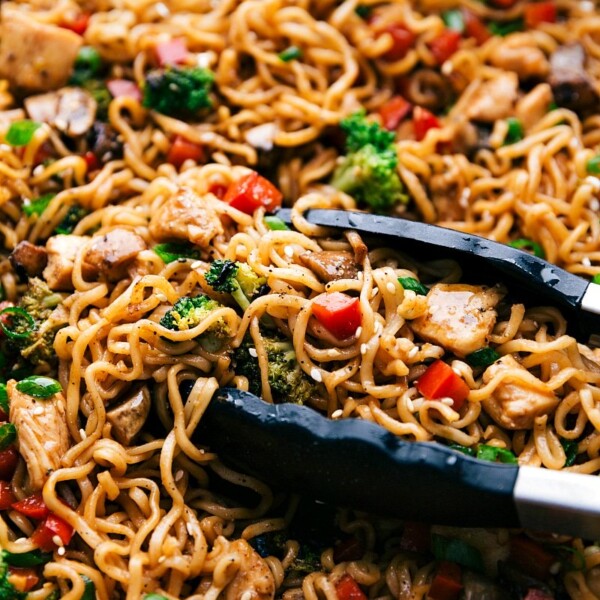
(28, 260)
(331, 265)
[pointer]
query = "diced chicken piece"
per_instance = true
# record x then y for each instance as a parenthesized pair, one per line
(533, 106)
(62, 250)
(33, 55)
(254, 579)
(28, 260)
(331, 265)
(459, 317)
(71, 110)
(113, 252)
(494, 99)
(515, 404)
(186, 216)
(571, 85)
(43, 436)
(519, 55)
(128, 418)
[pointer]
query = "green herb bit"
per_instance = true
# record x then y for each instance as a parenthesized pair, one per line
(275, 223)
(88, 59)
(593, 165)
(39, 386)
(596, 278)
(454, 20)
(291, 53)
(3, 398)
(22, 324)
(38, 205)
(75, 213)
(483, 357)
(570, 447)
(33, 558)
(89, 590)
(507, 27)
(154, 597)
(463, 449)
(21, 132)
(410, 283)
(515, 132)
(363, 11)
(530, 245)
(8, 434)
(493, 454)
(552, 106)
(172, 251)
(457, 551)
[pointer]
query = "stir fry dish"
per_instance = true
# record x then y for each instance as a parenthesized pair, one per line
(144, 149)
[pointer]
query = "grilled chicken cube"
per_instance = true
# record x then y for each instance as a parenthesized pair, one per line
(186, 216)
(33, 55)
(459, 317)
(254, 579)
(62, 251)
(113, 252)
(128, 418)
(28, 260)
(331, 265)
(494, 99)
(43, 436)
(519, 55)
(533, 106)
(519, 398)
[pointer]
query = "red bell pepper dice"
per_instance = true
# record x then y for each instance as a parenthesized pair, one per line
(423, 121)
(403, 39)
(52, 527)
(440, 381)
(347, 589)
(173, 52)
(23, 579)
(338, 313)
(252, 191)
(77, 24)
(33, 506)
(9, 457)
(124, 87)
(7, 496)
(416, 537)
(530, 557)
(446, 584)
(393, 111)
(539, 12)
(444, 45)
(218, 189)
(182, 150)
(475, 27)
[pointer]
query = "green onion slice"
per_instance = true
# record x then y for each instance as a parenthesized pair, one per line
(454, 20)
(88, 58)
(483, 357)
(291, 53)
(464, 449)
(593, 165)
(37, 206)
(18, 316)
(457, 551)
(515, 132)
(21, 132)
(596, 278)
(89, 590)
(570, 447)
(8, 434)
(410, 283)
(507, 27)
(275, 223)
(171, 251)
(3, 398)
(363, 11)
(525, 244)
(493, 454)
(33, 558)
(39, 386)
(154, 597)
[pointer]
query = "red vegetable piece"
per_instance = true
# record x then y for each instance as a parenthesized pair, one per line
(33, 506)
(251, 191)
(444, 45)
(393, 111)
(423, 121)
(475, 27)
(218, 189)
(182, 150)
(7, 496)
(536, 594)
(416, 537)
(403, 40)
(23, 579)
(124, 87)
(530, 557)
(338, 313)
(91, 161)
(446, 584)
(78, 24)
(440, 381)
(347, 589)
(539, 12)
(46, 532)
(173, 52)
(9, 457)
(504, 3)
(349, 549)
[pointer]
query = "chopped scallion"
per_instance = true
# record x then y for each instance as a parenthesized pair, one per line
(275, 223)
(464, 449)
(37, 206)
(410, 283)
(506, 27)
(19, 325)
(596, 278)
(363, 11)
(3, 398)
(172, 251)
(21, 132)
(33, 558)
(515, 132)
(493, 454)
(39, 386)
(525, 244)
(570, 447)
(454, 20)
(457, 551)
(483, 357)
(8, 434)
(291, 53)
(89, 590)
(88, 59)
(593, 165)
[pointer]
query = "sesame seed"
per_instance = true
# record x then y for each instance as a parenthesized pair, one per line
(83, 434)
(358, 331)
(289, 251)
(374, 292)
(359, 276)
(179, 475)
(363, 348)
(555, 568)
(196, 264)
(252, 352)
(391, 288)
(162, 559)
(586, 262)
(593, 181)
(336, 414)
(38, 170)
(38, 410)
(316, 374)
(57, 540)
(595, 204)
(447, 401)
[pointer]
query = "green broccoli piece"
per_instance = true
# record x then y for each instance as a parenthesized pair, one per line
(75, 213)
(235, 278)
(190, 311)
(368, 172)
(178, 91)
(288, 382)
(7, 589)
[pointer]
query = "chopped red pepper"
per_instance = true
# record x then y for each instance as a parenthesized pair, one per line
(9, 457)
(91, 160)
(22, 579)
(218, 189)
(182, 150)
(444, 45)
(48, 530)
(475, 27)
(124, 87)
(403, 40)
(349, 549)
(338, 313)
(416, 537)
(504, 3)
(446, 584)
(33, 506)
(539, 12)
(7, 496)
(530, 557)
(393, 111)
(78, 24)
(173, 52)
(440, 381)
(536, 594)
(423, 121)
(347, 589)
(252, 191)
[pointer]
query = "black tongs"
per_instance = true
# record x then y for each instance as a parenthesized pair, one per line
(359, 464)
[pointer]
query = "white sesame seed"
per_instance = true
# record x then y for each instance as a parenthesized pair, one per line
(595, 204)
(316, 374)
(447, 401)
(252, 352)
(289, 251)
(336, 414)
(391, 288)
(593, 181)
(363, 348)
(359, 276)
(586, 262)
(162, 559)
(555, 568)
(196, 264)
(38, 170)
(358, 331)
(413, 352)
(179, 475)
(61, 551)
(57, 540)
(83, 434)
(38, 410)
(374, 292)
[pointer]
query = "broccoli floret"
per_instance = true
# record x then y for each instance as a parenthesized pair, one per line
(188, 312)
(235, 278)
(7, 589)
(287, 380)
(176, 90)
(75, 213)
(368, 172)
